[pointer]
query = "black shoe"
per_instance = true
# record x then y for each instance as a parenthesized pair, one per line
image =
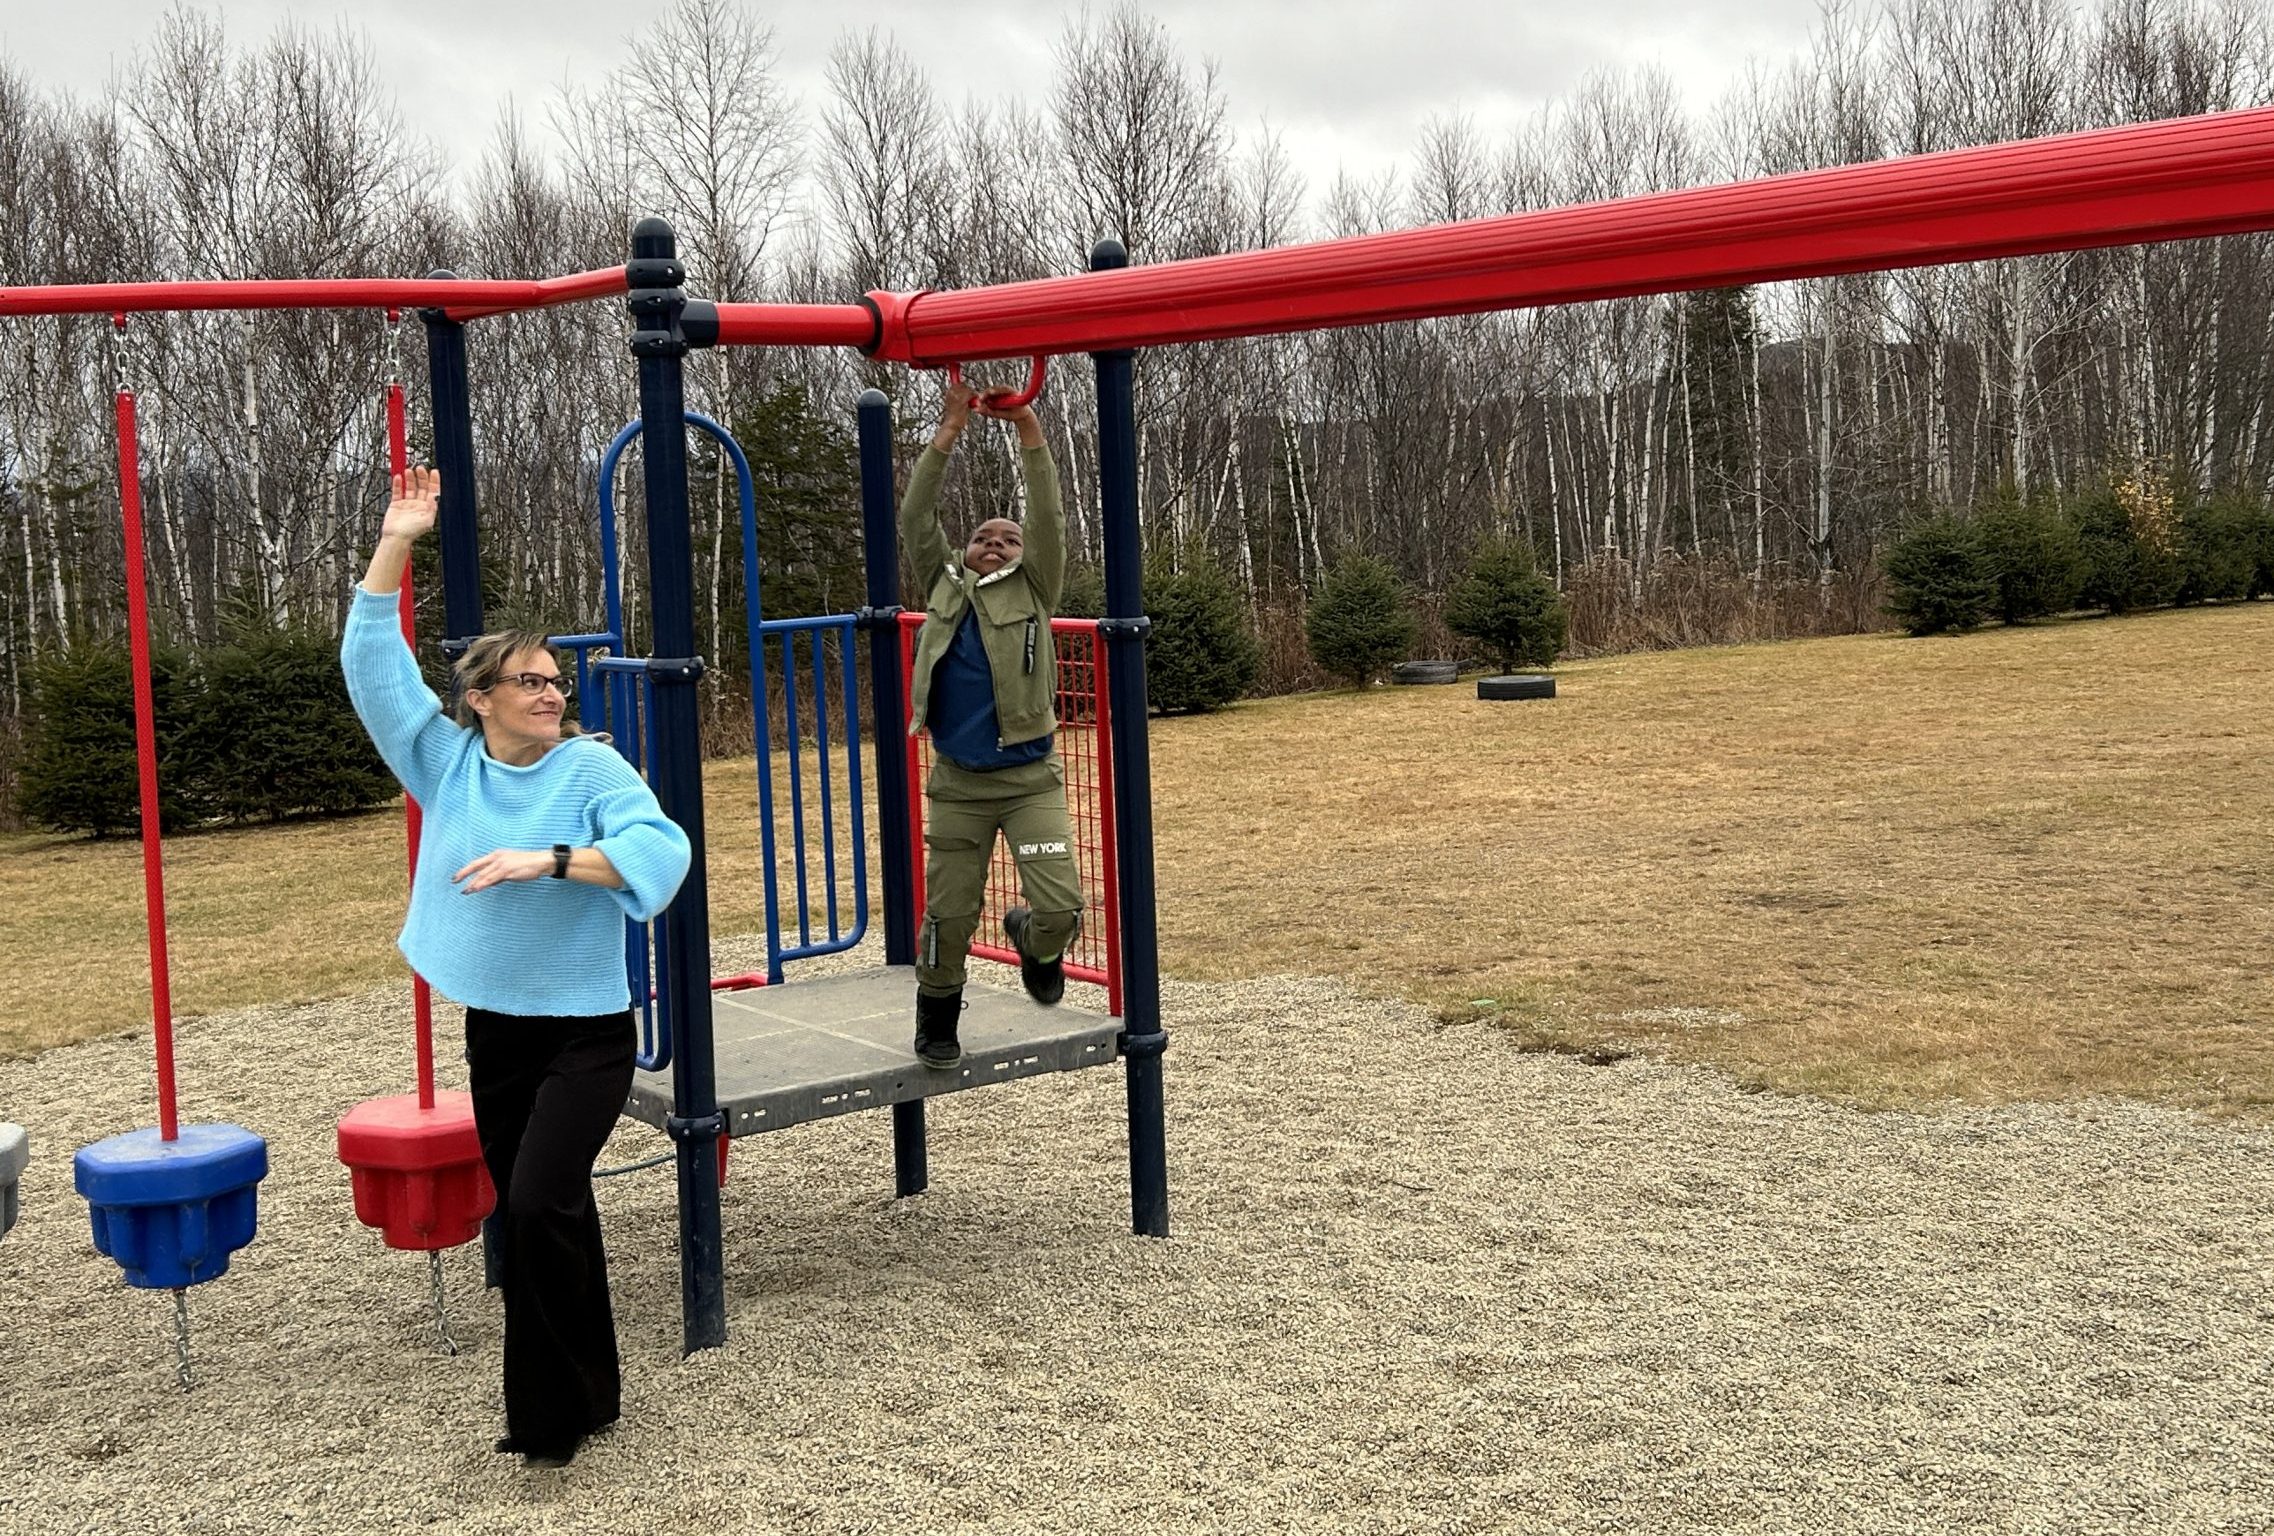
(1045, 979)
(935, 1030)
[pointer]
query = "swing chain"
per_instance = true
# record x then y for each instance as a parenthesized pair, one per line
(181, 1339)
(394, 347)
(441, 1301)
(122, 357)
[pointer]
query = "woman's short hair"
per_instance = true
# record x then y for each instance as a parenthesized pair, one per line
(484, 663)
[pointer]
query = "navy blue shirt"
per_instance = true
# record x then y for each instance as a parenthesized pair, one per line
(963, 721)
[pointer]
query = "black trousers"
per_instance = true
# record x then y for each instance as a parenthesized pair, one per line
(547, 1092)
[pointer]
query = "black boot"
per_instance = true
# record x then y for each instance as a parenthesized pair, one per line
(935, 1029)
(1045, 979)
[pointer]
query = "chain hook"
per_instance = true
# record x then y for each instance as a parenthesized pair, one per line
(122, 375)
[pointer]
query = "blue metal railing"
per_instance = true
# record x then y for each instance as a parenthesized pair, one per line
(628, 718)
(813, 633)
(625, 702)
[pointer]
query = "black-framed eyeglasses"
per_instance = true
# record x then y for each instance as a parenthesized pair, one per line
(534, 683)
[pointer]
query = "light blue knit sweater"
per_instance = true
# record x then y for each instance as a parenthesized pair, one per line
(530, 946)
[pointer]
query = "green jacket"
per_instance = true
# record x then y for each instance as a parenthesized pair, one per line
(1015, 604)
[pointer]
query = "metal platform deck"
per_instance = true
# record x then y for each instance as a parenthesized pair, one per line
(833, 1045)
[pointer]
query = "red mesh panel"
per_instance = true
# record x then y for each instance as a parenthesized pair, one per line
(1085, 728)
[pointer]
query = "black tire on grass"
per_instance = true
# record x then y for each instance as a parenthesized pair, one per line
(1426, 672)
(1516, 685)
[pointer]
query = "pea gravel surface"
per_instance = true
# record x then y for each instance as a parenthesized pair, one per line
(1419, 1282)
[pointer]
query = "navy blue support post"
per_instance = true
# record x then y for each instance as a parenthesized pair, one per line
(453, 408)
(881, 538)
(458, 524)
(1124, 626)
(676, 773)
(881, 544)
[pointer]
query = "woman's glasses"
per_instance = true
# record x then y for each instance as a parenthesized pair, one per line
(534, 683)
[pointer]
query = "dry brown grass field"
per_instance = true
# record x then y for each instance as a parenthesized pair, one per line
(2021, 864)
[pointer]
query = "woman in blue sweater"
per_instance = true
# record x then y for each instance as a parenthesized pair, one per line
(537, 842)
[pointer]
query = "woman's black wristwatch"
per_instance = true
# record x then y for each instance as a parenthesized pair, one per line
(560, 861)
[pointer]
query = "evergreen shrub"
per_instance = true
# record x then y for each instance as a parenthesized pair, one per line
(1083, 595)
(2261, 550)
(1202, 652)
(1507, 604)
(2218, 550)
(1936, 580)
(80, 773)
(2031, 556)
(1359, 623)
(2130, 546)
(273, 733)
(259, 726)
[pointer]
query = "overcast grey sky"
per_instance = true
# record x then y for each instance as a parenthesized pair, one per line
(1346, 82)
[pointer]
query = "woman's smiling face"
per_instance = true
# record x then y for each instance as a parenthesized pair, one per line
(518, 722)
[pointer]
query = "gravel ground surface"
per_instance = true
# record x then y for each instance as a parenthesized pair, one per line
(1419, 1282)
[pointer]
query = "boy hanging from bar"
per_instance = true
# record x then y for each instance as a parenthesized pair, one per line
(986, 678)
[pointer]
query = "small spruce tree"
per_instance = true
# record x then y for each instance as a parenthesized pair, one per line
(1083, 596)
(1935, 579)
(80, 772)
(1201, 654)
(2131, 556)
(1359, 623)
(2262, 548)
(2218, 550)
(1507, 604)
(273, 733)
(2030, 554)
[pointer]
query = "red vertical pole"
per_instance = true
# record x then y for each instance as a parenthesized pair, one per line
(1102, 744)
(398, 463)
(146, 748)
(909, 624)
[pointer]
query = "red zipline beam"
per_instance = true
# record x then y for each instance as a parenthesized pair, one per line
(2175, 180)
(460, 300)
(599, 284)
(798, 325)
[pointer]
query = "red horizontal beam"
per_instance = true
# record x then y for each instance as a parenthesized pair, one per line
(460, 299)
(797, 325)
(2155, 181)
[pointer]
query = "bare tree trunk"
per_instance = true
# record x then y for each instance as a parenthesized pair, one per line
(2144, 358)
(1938, 413)
(2017, 377)
(1828, 389)
(1760, 478)
(1240, 514)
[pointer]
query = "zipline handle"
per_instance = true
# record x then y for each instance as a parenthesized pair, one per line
(1003, 399)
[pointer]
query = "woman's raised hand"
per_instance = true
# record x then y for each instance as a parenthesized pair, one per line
(411, 513)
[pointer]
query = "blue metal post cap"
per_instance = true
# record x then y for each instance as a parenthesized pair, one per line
(171, 1212)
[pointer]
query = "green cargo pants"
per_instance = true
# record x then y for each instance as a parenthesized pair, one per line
(962, 813)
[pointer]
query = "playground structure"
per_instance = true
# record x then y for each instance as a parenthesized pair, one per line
(2159, 181)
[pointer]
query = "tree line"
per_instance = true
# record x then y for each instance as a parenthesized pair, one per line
(1716, 465)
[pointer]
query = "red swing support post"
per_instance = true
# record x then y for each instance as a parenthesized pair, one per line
(145, 731)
